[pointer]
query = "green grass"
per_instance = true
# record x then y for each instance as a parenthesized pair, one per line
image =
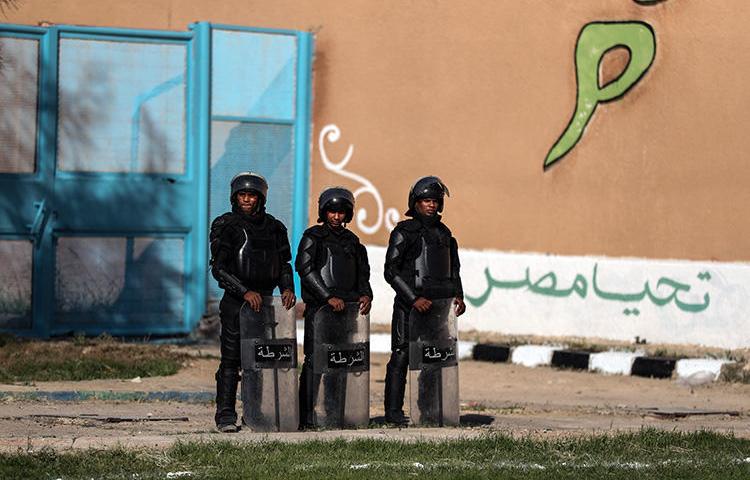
(83, 359)
(649, 454)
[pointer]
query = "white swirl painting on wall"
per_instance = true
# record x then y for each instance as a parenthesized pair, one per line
(389, 217)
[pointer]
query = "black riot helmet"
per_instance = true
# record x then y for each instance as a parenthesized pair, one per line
(336, 199)
(251, 182)
(427, 187)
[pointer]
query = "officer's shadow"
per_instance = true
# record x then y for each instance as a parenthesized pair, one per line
(468, 420)
(476, 420)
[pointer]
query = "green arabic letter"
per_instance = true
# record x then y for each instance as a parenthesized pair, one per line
(479, 301)
(621, 297)
(693, 307)
(594, 41)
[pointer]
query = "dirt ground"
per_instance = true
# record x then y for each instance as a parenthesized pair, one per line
(503, 397)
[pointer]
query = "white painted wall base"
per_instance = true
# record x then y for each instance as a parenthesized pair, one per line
(694, 370)
(613, 363)
(661, 301)
(533, 355)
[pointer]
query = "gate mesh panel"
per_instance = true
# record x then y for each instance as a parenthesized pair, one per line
(18, 99)
(15, 278)
(121, 107)
(263, 148)
(120, 281)
(253, 74)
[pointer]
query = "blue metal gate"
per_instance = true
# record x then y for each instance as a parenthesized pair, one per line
(111, 144)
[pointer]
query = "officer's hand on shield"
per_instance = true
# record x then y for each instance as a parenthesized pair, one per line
(364, 304)
(460, 306)
(288, 299)
(337, 304)
(422, 305)
(254, 300)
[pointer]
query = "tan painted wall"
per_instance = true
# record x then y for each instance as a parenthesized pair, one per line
(478, 91)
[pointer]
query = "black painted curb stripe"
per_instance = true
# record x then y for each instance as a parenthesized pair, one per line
(491, 352)
(574, 359)
(652, 367)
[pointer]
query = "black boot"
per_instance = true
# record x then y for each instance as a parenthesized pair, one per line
(226, 396)
(307, 392)
(395, 387)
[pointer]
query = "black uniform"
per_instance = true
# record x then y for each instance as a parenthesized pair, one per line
(330, 263)
(421, 261)
(255, 250)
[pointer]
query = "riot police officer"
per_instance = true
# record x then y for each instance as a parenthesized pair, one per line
(421, 264)
(250, 257)
(333, 267)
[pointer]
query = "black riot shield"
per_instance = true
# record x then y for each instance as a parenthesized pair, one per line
(341, 367)
(269, 367)
(433, 365)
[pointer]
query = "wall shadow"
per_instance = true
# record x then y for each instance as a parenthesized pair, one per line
(119, 258)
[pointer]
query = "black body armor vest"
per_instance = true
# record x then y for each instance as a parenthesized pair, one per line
(433, 265)
(339, 272)
(258, 260)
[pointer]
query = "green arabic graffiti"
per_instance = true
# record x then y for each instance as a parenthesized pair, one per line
(594, 41)
(547, 285)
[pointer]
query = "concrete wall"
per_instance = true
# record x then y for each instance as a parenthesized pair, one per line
(478, 92)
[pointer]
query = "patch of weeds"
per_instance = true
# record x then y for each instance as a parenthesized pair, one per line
(735, 372)
(84, 358)
(740, 356)
(79, 339)
(474, 407)
(584, 346)
(665, 353)
(511, 409)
